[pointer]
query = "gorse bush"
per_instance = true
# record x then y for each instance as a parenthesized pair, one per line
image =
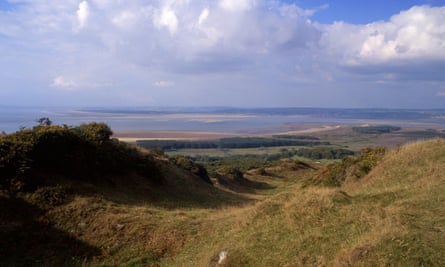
(351, 167)
(94, 132)
(82, 152)
(193, 167)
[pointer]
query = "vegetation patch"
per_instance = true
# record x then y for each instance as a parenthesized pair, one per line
(193, 167)
(50, 196)
(353, 167)
(316, 153)
(380, 129)
(232, 142)
(82, 153)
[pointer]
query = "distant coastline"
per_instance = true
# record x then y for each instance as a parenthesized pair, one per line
(221, 120)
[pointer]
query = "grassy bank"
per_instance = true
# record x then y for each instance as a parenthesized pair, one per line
(275, 215)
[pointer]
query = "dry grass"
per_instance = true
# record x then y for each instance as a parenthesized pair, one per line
(393, 217)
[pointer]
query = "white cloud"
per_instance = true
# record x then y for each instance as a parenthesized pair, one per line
(441, 94)
(237, 5)
(164, 84)
(63, 82)
(417, 33)
(224, 45)
(204, 15)
(83, 12)
(125, 19)
(167, 18)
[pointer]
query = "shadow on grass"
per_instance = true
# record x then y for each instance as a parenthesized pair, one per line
(28, 239)
(175, 192)
(243, 185)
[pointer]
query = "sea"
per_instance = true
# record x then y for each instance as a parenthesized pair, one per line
(216, 119)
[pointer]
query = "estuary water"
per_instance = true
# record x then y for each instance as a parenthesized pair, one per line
(230, 120)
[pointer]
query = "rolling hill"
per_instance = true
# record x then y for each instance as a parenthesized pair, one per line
(274, 216)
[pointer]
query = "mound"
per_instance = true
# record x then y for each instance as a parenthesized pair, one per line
(391, 214)
(408, 188)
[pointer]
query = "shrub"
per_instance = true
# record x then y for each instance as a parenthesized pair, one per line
(351, 167)
(50, 196)
(193, 167)
(94, 132)
(231, 173)
(81, 152)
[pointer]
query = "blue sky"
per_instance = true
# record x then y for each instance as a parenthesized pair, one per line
(245, 53)
(360, 12)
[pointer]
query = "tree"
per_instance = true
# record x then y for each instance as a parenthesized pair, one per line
(44, 121)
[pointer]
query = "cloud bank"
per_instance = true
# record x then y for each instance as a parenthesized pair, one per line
(226, 52)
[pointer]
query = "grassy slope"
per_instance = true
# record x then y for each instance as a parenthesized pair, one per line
(394, 216)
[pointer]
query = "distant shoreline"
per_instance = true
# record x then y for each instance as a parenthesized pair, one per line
(134, 135)
(189, 123)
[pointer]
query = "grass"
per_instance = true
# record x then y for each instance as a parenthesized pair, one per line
(394, 216)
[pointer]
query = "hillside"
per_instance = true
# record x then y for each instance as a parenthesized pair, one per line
(272, 216)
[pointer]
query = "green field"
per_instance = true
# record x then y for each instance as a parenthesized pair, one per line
(351, 138)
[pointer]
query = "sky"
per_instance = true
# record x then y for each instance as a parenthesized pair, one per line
(240, 53)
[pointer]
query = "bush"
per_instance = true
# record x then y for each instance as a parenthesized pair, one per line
(351, 167)
(82, 152)
(94, 132)
(50, 196)
(231, 173)
(193, 167)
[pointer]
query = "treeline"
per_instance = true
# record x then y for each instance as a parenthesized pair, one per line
(376, 129)
(324, 153)
(83, 152)
(317, 153)
(176, 144)
(233, 142)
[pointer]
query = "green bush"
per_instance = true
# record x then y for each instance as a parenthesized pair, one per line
(82, 152)
(353, 167)
(94, 132)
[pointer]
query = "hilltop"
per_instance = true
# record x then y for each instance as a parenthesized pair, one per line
(383, 208)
